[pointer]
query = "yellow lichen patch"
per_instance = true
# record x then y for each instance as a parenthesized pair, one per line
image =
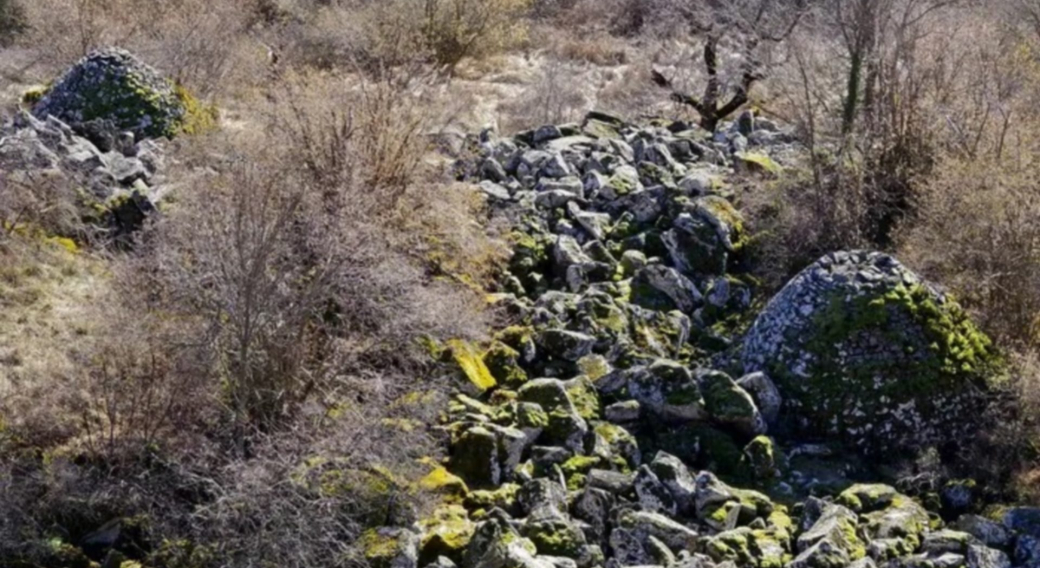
(471, 362)
(440, 480)
(33, 94)
(760, 162)
(379, 547)
(446, 532)
(199, 117)
(65, 243)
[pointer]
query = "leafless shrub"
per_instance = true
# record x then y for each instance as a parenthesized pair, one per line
(304, 500)
(555, 98)
(798, 219)
(253, 407)
(201, 44)
(976, 230)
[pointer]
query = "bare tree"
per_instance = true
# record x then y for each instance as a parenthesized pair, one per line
(744, 26)
(864, 26)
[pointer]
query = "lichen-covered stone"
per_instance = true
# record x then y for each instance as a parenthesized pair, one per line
(658, 287)
(765, 394)
(503, 362)
(990, 532)
(446, 532)
(730, 405)
(837, 526)
(653, 495)
(823, 554)
(861, 347)
(671, 471)
(982, 557)
(472, 364)
(566, 345)
(442, 481)
(701, 240)
(630, 537)
(667, 389)
(761, 459)
(542, 498)
(113, 85)
(390, 547)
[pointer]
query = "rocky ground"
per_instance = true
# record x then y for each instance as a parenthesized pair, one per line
(642, 412)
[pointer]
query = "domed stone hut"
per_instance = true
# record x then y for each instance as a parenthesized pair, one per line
(113, 86)
(861, 347)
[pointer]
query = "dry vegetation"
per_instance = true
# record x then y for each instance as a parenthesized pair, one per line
(255, 346)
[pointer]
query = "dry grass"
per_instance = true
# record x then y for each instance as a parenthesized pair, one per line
(977, 230)
(47, 319)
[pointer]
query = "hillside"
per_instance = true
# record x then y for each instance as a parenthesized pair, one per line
(519, 284)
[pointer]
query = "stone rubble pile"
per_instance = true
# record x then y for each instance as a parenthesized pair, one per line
(599, 429)
(117, 188)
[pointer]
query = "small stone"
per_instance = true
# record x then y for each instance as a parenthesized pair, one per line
(621, 412)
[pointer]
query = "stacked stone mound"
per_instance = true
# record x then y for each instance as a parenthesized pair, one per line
(111, 90)
(120, 186)
(860, 347)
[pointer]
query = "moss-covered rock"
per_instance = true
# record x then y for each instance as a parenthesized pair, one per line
(503, 497)
(899, 524)
(703, 238)
(575, 469)
(474, 457)
(584, 397)
(446, 532)
(837, 526)
(617, 446)
(761, 458)
(555, 537)
(729, 405)
(442, 481)
(748, 547)
(861, 347)
(658, 287)
(496, 544)
(866, 497)
(667, 389)
(503, 362)
(389, 547)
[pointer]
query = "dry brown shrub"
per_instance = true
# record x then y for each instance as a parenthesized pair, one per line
(559, 95)
(977, 230)
(798, 219)
(202, 44)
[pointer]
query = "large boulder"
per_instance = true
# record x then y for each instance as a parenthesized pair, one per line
(113, 86)
(861, 347)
